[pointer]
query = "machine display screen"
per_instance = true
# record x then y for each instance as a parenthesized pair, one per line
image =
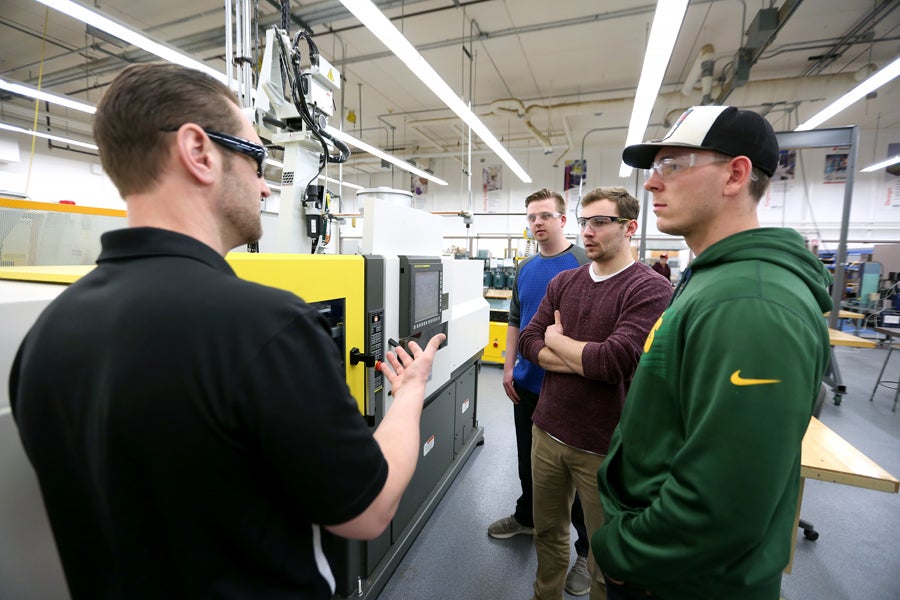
(421, 293)
(427, 296)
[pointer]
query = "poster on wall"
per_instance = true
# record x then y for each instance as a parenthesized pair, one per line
(575, 175)
(774, 196)
(492, 183)
(787, 165)
(892, 177)
(836, 165)
(419, 188)
(782, 180)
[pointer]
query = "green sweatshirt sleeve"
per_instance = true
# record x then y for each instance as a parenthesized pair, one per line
(741, 389)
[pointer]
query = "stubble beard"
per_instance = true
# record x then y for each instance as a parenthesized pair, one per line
(238, 214)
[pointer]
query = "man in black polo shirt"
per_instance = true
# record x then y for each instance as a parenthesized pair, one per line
(192, 431)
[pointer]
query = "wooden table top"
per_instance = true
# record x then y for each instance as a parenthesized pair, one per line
(827, 456)
(842, 338)
(846, 314)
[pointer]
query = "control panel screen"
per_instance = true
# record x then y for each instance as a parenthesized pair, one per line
(427, 296)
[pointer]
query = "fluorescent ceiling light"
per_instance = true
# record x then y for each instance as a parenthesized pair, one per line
(390, 36)
(126, 33)
(663, 34)
(88, 108)
(48, 136)
(878, 79)
(349, 139)
(881, 165)
(30, 92)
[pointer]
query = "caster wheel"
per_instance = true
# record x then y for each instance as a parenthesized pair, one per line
(837, 399)
(811, 535)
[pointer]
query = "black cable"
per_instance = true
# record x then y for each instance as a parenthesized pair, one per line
(292, 74)
(313, 49)
(341, 146)
(254, 69)
(307, 113)
(290, 63)
(286, 16)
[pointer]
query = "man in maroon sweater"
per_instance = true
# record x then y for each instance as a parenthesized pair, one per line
(588, 335)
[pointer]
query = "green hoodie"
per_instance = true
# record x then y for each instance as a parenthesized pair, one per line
(701, 481)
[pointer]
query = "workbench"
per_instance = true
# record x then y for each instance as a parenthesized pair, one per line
(844, 315)
(826, 456)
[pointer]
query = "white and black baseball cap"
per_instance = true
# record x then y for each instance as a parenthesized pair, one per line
(724, 129)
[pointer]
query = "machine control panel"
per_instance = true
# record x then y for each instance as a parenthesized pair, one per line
(375, 347)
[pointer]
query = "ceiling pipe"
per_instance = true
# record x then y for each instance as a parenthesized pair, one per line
(706, 54)
(543, 139)
(754, 93)
(568, 137)
(517, 107)
(706, 79)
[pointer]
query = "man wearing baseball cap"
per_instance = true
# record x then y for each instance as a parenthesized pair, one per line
(662, 266)
(701, 482)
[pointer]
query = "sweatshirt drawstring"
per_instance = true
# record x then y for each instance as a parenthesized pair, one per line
(685, 277)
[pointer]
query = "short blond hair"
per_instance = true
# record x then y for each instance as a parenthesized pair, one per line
(543, 194)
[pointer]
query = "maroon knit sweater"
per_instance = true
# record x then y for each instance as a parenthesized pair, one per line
(614, 317)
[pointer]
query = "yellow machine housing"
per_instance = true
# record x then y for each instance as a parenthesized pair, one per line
(318, 278)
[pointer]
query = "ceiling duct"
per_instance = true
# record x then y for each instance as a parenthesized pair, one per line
(762, 31)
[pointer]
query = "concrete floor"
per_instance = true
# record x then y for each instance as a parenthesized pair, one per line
(857, 556)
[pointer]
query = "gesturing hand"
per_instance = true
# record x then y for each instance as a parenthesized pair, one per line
(405, 369)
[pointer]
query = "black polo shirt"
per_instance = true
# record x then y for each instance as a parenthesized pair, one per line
(189, 428)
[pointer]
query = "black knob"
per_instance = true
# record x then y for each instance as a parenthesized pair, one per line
(357, 357)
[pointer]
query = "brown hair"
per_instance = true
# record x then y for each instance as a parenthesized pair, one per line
(144, 100)
(628, 206)
(543, 194)
(759, 181)
(759, 184)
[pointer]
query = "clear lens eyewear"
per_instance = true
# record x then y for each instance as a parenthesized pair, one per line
(543, 216)
(668, 167)
(597, 222)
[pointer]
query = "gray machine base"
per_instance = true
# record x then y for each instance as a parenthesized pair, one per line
(370, 587)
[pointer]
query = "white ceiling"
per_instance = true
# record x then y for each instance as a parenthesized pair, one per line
(546, 76)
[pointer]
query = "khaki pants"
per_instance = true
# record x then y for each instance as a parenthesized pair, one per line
(558, 470)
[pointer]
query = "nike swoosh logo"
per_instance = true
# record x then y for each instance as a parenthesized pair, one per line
(736, 379)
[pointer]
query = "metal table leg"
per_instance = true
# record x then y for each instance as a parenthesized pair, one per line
(832, 379)
(887, 359)
(896, 394)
